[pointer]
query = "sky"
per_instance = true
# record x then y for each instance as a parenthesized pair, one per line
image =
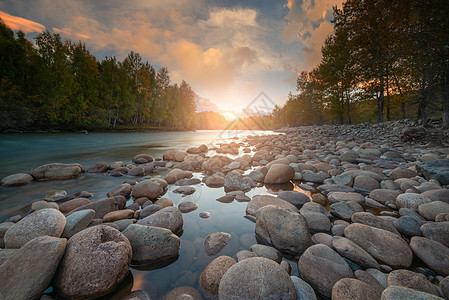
(228, 51)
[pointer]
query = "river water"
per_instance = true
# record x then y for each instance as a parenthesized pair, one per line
(23, 152)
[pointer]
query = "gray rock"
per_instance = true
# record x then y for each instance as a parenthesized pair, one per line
(327, 188)
(187, 206)
(235, 182)
(77, 221)
(96, 260)
(386, 247)
(350, 250)
(103, 207)
(444, 286)
(168, 217)
(43, 204)
(267, 252)
(384, 195)
(150, 244)
(345, 210)
(56, 171)
(5, 254)
(381, 277)
(185, 190)
(256, 176)
(374, 221)
(346, 196)
(322, 238)
(43, 222)
(399, 292)
(370, 280)
(17, 179)
(260, 201)
(210, 278)
(256, 278)
(303, 290)
(122, 190)
(365, 183)
(148, 188)
(349, 288)
(437, 169)
(412, 280)
(411, 200)
(245, 254)
(285, 230)
(279, 173)
(322, 267)
(432, 209)
(3, 228)
(28, 272)
(296, 198)
(183, 293)
(317, 222)
(407, 226)
(123, 224)
(215, 242)
(432, 253)
(437, 231)
(149, 210)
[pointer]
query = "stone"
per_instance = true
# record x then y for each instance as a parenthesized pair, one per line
(343, 179)
(100, 167)
(432, 253)
(370, 280)
(77, 221)
(164, 202)
(408, 226)
(438, 195)
(345, 210)
(322, 238)
(412, 280)
(123, 224)
(401, 173)
(204, 214)
(143, 158)
(174, 175)
(279, 173)
(148, 188)
(187, 206)
(122, 190)
(118, 215)
(215, 242)
(28, 272)
(44, 222)
(386, 247)
(327, 188)
(185, 190)
(44, 204)
(365, 183)
(444, 286)
(215, 163)
(349, 288)
(256, 278)
(436, 231)
(210, 278)
(260, 201)
(70, 205)
(296, 198)
(151, 244)
(183, 293)
(350, 250)
(6, 253)
(214, 181)
(411, 200)
(168, 217)
(56, 171)
(285, 230)
(104, 206)
(322, 267)
(3, 228)
(235, 182)
(346, 196)
(17, 179)
(96, 260)
(436, 169)
(384, 195)
(149, 210)
(432, 209)
(267, 252)
(303, 290)
(169, 154)
(349, 156)
(374, 221)
(317, 222)
(256, 176)
(399, 292)
(245, 254)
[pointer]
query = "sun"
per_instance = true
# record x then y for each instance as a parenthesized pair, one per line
(229, 115)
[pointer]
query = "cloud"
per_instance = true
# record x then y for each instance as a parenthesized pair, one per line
(18, 23)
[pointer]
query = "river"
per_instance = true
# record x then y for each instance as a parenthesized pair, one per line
(23, 152)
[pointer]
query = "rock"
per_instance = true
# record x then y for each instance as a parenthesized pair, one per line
(260, 201)
(6, 253)
(148, 188)
(373, 221)
(235, 182)
(77, 221)
(438, 195)
(117, 172)
(96, 260)
(322, 267)
(70, 205)
(285, 230)
(142, 158)
(55, 171)
(343, 179)
(183, 292)
(437, 169)
(412, 280)
(187, 206)
(327, 188)
(267, 252)
(118, 215)
(210, 278)
(226, 199)
(169, 217)
(256, 278)
(169, 154)
(245, 254)
(444, 286)
(215, 242)
(174, 175)
(279, 173)
(204, 214)
(407, 226)
(322, 238)
(317, 222)
(149, 210)
(411, 200)
(349, 156)
(386, 247)
(100, 167)
(214, 181)
(399, 292)
(432, 253)
(345, 196)
(105, 206)
(43, 204)
(370, 280)
(122, 190)
(28, 272)
(432, 209)
(296, 198)
(164, 202)
(17, 179)
(437, 231)
(150, 244)
(48, 221)
(365, 183)
(401, 173)
(349, 288)
(256, 176)
(215, 163)
(303, 290)
(345, 210)
(384, 195)
(3, 228)
(350, 250)
(185, 190)
(123, 224)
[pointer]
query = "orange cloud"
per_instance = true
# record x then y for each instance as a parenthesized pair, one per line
(18, 23)
(68, 32)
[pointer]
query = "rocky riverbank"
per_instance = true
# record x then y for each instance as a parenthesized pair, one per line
(362, 210)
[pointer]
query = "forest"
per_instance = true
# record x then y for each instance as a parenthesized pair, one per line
(59, 84)
(385, 60)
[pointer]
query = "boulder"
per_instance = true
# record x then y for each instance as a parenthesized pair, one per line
(142, 158)
(211, 276)
(77, 221)
(70, 205)
(436, 231)
(349, 288)
(17, 179)
(296, 198)
(399, 292)
(104, 206)
(350, 250)
(303, 290)
(384, 195)
(373, 221)
(168, 217)
(260, 201)
(279, 173)
(215, 242)
(344, 210)
(148, 188)
(235, 182)
(187, 206)
(412, 280)
(118, 215)
(436, 169)
(55, 171)
(432, 253)
(411, 200)
(432, 209)
(345, 196)
(122, 190)
(174, 175)
(100, 167)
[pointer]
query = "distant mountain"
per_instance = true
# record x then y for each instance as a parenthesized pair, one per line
(205, 104)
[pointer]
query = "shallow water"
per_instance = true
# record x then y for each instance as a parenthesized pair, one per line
(26, 151)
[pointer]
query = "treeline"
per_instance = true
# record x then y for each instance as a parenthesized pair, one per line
(385, 60)
(59, 84)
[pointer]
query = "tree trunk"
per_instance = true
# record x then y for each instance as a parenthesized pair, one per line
(445, 90)
(388, 102)
(348, 108)
(116, 117)
(381, 101)
(402, 97)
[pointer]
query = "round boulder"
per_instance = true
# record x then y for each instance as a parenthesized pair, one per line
(279, 173)
(211, 276)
